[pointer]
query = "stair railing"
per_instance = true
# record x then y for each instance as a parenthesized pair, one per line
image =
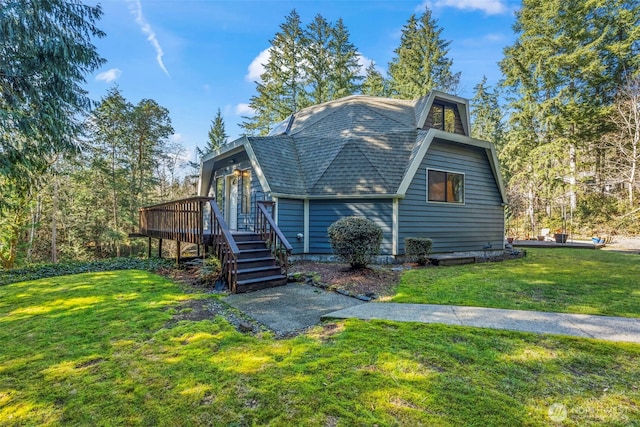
(224, 246)
(269, 232)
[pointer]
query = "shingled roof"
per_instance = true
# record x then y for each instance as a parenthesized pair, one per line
(354, 145)
(359, 146)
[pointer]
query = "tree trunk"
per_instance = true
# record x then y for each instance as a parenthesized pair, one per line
(572, 177)
(54, 225)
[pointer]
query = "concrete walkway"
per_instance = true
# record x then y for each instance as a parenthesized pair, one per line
(291, 308)
(580, 325)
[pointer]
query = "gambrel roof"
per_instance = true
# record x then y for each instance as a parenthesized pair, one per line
(357, 146)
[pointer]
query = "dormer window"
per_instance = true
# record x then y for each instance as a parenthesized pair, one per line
(444, 117)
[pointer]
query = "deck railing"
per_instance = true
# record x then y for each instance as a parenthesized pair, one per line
(269, 232)
(224, 246)
(179, 220)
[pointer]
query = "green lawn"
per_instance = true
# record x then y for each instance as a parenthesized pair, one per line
(562, 280)
(96, 349)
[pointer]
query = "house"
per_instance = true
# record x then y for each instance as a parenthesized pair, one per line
(410, 166)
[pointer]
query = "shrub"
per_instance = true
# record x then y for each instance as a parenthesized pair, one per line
(210, 271)
(418, 248)
(355, 239)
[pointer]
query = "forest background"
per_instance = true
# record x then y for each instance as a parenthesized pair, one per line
(73, 172)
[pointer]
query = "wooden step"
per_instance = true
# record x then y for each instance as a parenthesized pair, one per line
(249, 285)
(257, 272)
(251, 244)
(256, 262)
(243, 237)
(254, 253)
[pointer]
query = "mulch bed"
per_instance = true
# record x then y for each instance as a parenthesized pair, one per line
(378, 280)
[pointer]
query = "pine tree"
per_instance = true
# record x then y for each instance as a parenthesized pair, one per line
(317, 60)
(421, 63)
(486, 114)
(281, 89)
(344, 76)
(45, 52)
(374, 83)
(217, 134)
(562, 74)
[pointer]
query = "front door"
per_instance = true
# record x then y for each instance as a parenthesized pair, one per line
(232, 202)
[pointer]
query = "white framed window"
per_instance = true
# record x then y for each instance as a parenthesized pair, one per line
(445, 186)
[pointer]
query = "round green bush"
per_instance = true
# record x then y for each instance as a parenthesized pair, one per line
(418, 248)
(356, 240)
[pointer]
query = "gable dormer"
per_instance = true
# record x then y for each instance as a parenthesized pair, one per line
(445, 112)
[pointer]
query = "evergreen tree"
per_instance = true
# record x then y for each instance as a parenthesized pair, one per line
(45, 51)
(217, 134)
(318, 60)
(344, 77)
(562, 74)
(421, 63)
(281, 89)
(374, 83)
(486, 114)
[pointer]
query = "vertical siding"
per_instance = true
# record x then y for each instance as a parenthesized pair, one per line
(454, 227)
(323, 213)
(291, 221)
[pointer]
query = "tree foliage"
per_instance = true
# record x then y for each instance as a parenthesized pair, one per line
(45, 51)
(486, 114)
(306, 66)
(421, 63)
(217, 134)
(374, 83)
(562, 75)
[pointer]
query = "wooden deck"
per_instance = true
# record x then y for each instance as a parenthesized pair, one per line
(580, 244)
(250, 260)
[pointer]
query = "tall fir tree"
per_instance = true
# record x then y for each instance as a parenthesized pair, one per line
(217, 134)
(421, 63)
(46, 49)
(344, 77)
(374, 83)
(486, 114)
(317, 60)
(562, 74)
(281, 87)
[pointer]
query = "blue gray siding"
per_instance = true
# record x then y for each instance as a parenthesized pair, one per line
(454, 227)
(291, 221)
(323, 213)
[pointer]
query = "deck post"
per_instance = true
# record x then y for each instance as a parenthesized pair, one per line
(159, 248)
(178, 251)
(149, 249)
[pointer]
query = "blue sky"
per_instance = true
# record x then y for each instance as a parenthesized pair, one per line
(195, 56)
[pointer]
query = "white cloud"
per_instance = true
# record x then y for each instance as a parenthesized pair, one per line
(136, 9)
(109, 75)
(244, 110)
(256, 68)
(490, 7)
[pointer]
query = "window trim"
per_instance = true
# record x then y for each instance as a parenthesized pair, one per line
(464, 187)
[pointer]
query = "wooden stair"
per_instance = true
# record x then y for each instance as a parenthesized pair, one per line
(257, 268)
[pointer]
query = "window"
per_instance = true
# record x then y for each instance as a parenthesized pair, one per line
(246, 191)
(444, 117)
(447, 187)
(220, 192)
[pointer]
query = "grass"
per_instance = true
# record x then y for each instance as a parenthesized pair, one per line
(561, 280)
(96, 349)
